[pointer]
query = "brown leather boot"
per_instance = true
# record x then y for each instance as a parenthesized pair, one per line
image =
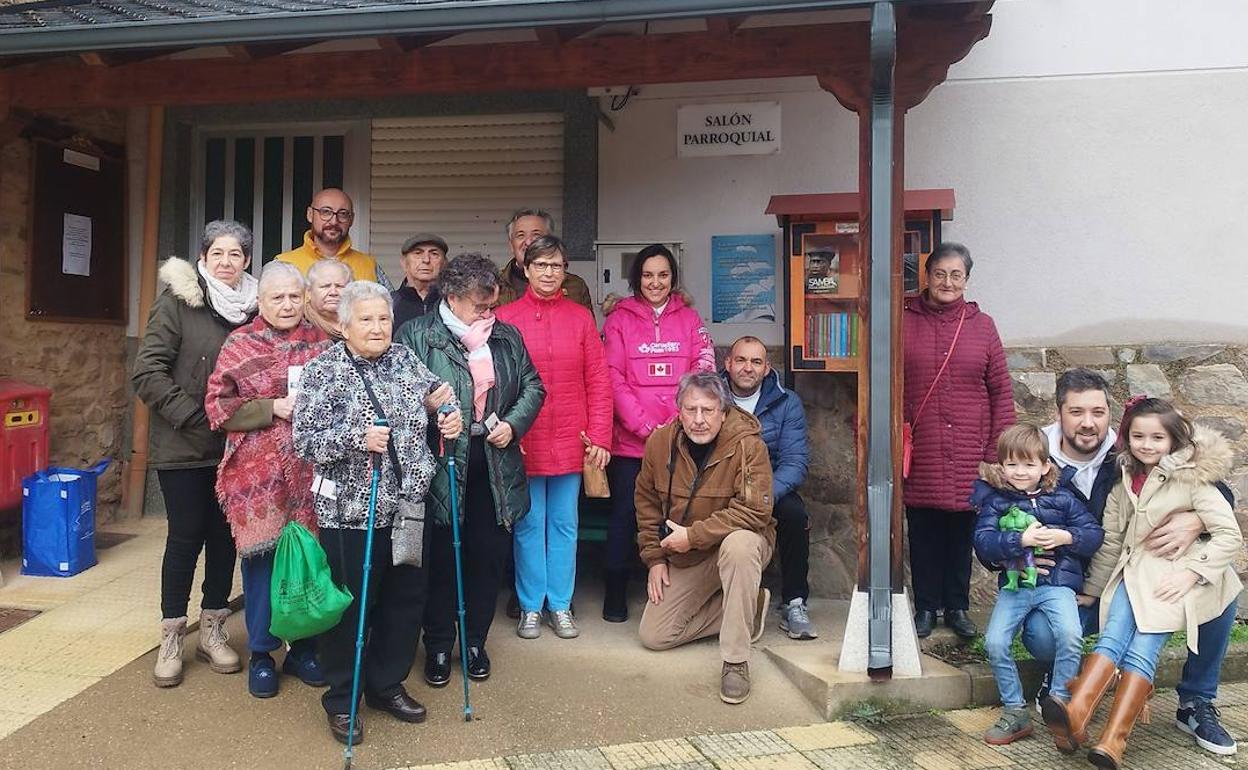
(1068, 722)
(1130, 702)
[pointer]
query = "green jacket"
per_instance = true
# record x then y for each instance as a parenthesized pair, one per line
(516, 398)
(178, 352)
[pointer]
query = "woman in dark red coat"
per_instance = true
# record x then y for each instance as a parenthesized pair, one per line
(956, 422)
(574, 425)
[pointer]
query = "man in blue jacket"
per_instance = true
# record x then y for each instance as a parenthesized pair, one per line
(1081, 440)
(757, 390)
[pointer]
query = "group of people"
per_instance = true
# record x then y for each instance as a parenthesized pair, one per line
(273, 399)
(1129, 533)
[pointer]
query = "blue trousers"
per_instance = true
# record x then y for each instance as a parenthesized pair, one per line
(1201, 672)
(258, 607)
(1124, 643)
(1057, 605)
(545, 544)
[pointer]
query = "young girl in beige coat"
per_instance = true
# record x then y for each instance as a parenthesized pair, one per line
(1167, 466)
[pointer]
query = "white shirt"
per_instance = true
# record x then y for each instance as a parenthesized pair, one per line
(1085, 470)
(748, 402)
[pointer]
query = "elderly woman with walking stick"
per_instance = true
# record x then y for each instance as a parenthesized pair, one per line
(365, 397)
(494, 379)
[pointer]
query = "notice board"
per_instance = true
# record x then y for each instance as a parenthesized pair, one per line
(76, 269)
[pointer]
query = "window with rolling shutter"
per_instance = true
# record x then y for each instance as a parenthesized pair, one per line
(265, 177)
(462, 177)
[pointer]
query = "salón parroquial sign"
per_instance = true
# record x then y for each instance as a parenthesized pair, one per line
(750, 128)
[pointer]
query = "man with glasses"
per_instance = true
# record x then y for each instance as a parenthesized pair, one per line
(330, 215)
(705, 530)
(424, 256)
(526, 226)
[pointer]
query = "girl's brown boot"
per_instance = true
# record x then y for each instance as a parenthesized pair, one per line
(1130, 702)
(1068, 722)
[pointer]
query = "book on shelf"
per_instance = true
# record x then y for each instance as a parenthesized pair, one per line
(822, 262)
(832, 335)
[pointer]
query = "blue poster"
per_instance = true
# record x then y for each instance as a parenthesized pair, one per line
(743, 278)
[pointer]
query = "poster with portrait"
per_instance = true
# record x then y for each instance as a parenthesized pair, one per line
(822, 258)
(743, 278)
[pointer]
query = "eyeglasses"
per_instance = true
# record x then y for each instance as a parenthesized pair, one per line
(956, 277)
(343, 215)
(547, 267)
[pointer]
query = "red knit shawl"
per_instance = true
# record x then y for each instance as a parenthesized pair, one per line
(261, 482)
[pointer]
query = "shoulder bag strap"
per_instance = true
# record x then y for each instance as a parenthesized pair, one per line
(394, 454)
(952, 345)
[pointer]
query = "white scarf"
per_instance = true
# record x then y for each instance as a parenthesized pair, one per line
(234, 305)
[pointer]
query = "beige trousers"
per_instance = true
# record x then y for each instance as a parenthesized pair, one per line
(717, 596)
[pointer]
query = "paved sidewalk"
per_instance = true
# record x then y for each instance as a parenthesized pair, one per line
(937, 741)
(89, 626)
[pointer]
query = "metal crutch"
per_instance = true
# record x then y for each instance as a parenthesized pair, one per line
(459, 567)
(359, 634)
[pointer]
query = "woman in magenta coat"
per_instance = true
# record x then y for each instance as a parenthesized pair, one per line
(574, 425)
(955, 428)
(652, 339)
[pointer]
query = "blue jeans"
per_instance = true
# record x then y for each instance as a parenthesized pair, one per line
(257, 606)
(1058, 606)
(1201, 672)
(546, 543)
(1124, 643)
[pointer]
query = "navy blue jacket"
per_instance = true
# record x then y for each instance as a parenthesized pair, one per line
(1054, 506)
(783, 420)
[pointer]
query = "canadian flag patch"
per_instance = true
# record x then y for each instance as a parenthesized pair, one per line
(660, 369)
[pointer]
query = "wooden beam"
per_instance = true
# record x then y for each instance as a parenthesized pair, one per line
(560, 35)
(925, 51)
(583, 63)
(259, 51)
(724, 25)
(406, 43)
(121, 58)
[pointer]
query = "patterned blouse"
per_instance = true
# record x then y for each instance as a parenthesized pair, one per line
(332, 412)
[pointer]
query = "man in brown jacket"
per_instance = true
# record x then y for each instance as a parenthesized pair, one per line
(705, 528)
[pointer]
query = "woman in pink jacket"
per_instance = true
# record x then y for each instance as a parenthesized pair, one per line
(573, 425)
(652, 339)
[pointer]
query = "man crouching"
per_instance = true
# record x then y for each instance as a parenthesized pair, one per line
(705, 529)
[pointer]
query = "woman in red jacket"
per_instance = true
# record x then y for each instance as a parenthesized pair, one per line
(958, 399)
(573, 425)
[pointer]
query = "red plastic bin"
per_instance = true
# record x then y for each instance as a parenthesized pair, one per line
(23, 437)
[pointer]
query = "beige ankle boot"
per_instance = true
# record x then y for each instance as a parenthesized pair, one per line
(214, 648)
(168, 671)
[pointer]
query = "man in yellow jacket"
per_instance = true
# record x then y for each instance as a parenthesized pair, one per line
(330, 216)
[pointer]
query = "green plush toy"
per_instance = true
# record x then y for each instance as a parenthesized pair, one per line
(1023, 569)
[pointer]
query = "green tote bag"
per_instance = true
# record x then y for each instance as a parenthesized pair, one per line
(304, 598)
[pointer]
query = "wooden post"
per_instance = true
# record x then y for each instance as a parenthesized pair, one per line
(134, 492)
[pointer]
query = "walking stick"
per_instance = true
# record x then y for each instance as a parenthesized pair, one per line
(459, 566)
(359, 633)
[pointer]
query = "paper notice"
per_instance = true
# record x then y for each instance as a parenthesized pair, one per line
(76, 245)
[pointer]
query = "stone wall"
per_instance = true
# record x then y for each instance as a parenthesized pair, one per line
(82, 363)
(1207, 382)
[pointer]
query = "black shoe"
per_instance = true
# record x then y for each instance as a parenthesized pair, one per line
(961, 624)
(401, 706)
(615, 601)
(437, 669)
(924, 621)
(340, 723)
(478, 664)
(513, 606)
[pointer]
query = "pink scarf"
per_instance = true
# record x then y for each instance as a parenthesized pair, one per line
(476, 339)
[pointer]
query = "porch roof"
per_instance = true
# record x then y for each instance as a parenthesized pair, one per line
(34, 27)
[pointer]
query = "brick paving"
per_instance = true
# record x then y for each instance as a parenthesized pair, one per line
(932, 741)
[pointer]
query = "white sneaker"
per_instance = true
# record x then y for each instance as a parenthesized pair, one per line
(795, 620)
(530, 625)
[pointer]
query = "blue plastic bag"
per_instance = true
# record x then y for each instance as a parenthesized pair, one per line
(58, 520)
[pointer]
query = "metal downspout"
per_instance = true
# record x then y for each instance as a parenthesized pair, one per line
(879, 446)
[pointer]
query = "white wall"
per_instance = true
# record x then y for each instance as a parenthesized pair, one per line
(646, 193)
(1097, 149)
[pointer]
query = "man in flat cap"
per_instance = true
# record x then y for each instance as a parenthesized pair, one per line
(424, 255)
